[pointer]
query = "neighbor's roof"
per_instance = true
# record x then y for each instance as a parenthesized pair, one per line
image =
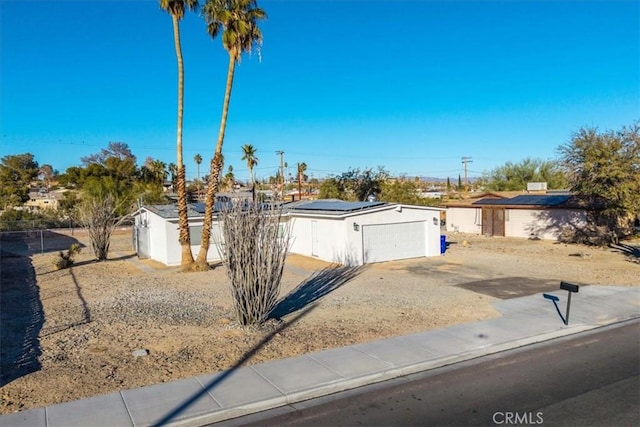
(528, 200)
(194, 210)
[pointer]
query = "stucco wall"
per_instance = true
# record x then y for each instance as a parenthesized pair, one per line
(464, 220)
(546, 224)
(330, 237)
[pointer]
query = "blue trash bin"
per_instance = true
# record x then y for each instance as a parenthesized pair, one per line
(443, 244)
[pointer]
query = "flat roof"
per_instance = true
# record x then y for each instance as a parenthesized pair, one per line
(331, 206)
(528, 200)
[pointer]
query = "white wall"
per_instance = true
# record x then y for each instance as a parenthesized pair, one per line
(544, 224)
(164, 243)
(464, 220)
(405, 214)
(339, 242)
(331, 237)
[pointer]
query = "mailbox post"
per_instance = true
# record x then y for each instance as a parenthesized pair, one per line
(570, 288)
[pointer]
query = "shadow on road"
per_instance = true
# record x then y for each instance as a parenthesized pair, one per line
(21, 318)
(313, 288)
(511, 287)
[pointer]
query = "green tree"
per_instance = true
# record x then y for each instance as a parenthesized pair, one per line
(16, 173)
(173, 173)
(355, 184)
(176, 8)
(229, 178)
(448, 185)
(604, 169)
(302, 168)
(515, 176)
(400, 191)
(237, 19)
(332, 188)
(198, 159)
(249, 155)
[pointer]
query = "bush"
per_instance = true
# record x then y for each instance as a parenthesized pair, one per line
(66, 260)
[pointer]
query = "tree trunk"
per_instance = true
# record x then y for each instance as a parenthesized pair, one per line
(183, 221)
(216, 166)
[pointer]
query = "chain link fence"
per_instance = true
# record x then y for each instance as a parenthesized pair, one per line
(27, 242)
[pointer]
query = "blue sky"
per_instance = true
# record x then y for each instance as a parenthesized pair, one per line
(410, 85)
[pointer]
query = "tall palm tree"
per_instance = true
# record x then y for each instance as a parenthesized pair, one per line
(237, 19)
(158, 170)
(302, 167)
(198, 159)
(173, 172)
(249, 154)
(176, 9)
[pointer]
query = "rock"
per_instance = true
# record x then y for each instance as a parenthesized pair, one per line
(140, 353)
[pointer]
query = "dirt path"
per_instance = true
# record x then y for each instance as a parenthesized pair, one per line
(79, 327)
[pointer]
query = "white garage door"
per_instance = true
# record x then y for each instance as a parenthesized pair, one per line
(386, 242)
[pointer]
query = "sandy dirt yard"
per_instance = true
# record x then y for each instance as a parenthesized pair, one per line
(70, 334)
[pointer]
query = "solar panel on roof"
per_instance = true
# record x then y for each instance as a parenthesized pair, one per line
(198, 207)
(527, 200)
(336, 205)
(490, 202)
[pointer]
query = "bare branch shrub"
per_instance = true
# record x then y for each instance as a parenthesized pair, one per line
(253, 249)
(99, 216)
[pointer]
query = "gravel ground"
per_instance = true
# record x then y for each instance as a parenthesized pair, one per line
(71, 334)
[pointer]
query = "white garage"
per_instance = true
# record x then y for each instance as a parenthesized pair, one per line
(349, 233)
(356, 233)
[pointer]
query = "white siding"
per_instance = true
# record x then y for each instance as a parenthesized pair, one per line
(330, 238)
(464, 220)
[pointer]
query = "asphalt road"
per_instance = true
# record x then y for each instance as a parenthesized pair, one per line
(582, 380)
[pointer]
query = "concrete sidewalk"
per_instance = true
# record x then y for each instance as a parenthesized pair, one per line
(225, 395)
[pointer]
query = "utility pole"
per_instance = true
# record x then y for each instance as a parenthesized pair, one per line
(465, 161)
(299, 185)
(281, 154)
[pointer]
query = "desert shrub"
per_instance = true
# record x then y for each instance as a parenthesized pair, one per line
(63, 260)
(253, 249)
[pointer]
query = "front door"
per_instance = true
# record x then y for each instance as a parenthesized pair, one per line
(493, 221)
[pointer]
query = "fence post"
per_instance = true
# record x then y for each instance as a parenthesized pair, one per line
(41, 242)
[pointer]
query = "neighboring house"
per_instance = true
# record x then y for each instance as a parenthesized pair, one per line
(543, 216)
(352, 233)
(43, 199)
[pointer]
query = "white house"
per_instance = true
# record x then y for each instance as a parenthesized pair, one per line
(352, 233)
(542, 216)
